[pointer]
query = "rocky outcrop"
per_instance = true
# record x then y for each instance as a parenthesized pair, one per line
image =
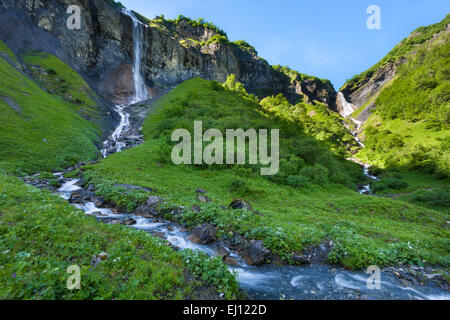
(203, 234)
(372, 85)
(240, 204)
(101, 51)
(255, 253)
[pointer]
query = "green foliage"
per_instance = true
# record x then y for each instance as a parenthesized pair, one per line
(239, 185)
(212, 271)
(389, 183)
(297, 76)
(119, 196)
(291, 220)
(41, 235)
(244, 45)
(199, 23)
(234, 109)
(417, 38)
(436, 197)
(59, 79)
(41, 131)
(422, 90)
(6, 52)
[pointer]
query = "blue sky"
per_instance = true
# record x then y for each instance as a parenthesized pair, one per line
(325, 38)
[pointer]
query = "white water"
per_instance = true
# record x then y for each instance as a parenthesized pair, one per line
(116, 143)
(139, 54)
(275, 282)
(347, 107)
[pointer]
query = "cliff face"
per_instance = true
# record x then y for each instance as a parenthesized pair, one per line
(101, 51)
(370, 86)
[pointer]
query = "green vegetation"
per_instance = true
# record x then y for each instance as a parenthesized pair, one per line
(41, 131)
(41, 235)
(199, 23)
(302, 157)
(366, 230)
(297, 76)
(409, 128)
(418, 37)
(59, 79)
(7, 53)
(422, 89)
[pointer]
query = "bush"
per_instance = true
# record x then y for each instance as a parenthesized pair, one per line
(216, 86)
(297, 181)
(316, 173)
(389, 183)
(437, 197)
(239, 185)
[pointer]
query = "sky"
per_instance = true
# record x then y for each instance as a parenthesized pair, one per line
(324, 38)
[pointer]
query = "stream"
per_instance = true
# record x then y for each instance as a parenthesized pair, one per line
(271, 282)
(311, 282)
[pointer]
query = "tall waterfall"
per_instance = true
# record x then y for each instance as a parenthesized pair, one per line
(347, 107)
(139, 54)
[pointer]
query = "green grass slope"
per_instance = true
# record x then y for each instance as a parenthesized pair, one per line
(300, 207)
(41, 235)
(407, 134)
(41, 131)
(402, 50)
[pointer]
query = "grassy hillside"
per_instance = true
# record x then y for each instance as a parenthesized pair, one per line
(408, 134)
(41, 131)
(45, 128)
(417, 38)
(41, 235)
(297, 211)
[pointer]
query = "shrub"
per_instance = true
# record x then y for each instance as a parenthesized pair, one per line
(438, 197)
(239, 185)
(316, 173)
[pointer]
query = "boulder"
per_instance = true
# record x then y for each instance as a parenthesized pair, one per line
(203, 234)
(203, 198)
(231, 261)
(153, 201)
(158, 234)
(75, 197)
(99, 202)
(255, 253)
(200, 190)
(240, 204)
(146, 211)
(300, 259)
(129, 222)
(222, 251)
(196, 209)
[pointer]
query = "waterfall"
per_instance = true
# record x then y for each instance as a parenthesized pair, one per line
(116, 142)
(347, 107)
(139, 54)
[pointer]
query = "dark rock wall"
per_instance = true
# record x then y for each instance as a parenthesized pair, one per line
(102, 49)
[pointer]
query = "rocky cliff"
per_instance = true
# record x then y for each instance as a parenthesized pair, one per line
(101, 50)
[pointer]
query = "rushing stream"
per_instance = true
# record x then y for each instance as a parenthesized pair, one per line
(315, 281)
